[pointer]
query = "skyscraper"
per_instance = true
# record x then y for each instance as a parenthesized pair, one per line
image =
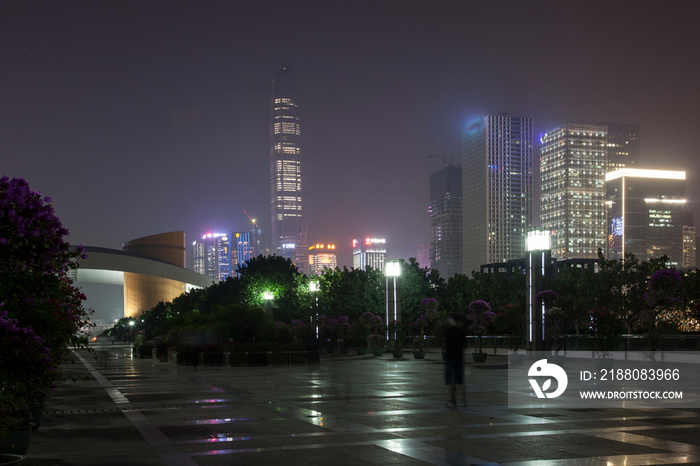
(212, 256)
(369, 252)
(321, 257)
(645, 213)
(445, 253)
(288, 238)
(573, 162)
(623, 145)
(496, 189)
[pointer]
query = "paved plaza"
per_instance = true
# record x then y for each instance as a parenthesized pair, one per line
(350, 410)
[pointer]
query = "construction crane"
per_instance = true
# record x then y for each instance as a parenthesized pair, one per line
(444, 158)
(254, 220)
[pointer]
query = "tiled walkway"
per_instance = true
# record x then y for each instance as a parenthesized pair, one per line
(350, 410)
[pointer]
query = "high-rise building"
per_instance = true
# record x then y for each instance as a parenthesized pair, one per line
(496, 189)
(369, 252)
(445, 253)
(423, 255)
(623, 145)
(645, 214)
(322, 256)
(288, 239)
(573, 160)
(242, 249)
(689, 246)
(212, 256)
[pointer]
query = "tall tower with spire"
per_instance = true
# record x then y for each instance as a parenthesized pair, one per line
(288, 237)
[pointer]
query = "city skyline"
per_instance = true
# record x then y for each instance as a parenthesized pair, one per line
(139, 119)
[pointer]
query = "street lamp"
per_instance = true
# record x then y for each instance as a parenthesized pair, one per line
(393, 306)
(268, 297)
(313, 287)
(131, 329)
(538, 277)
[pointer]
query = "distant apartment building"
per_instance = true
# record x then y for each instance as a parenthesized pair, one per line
(573, 163)
(242, 249)
(321, 257)
(445, 210)
(369, 252)
(212, 256)
(496, 189)
(645, 214)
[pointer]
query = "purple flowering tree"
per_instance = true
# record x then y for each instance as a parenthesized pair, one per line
(36, 291)
(27, 367)
(481, 316)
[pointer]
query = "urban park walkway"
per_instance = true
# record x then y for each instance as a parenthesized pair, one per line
(350, 410)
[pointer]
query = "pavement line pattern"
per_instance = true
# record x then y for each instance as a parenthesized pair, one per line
(365, 411)
(151, 433)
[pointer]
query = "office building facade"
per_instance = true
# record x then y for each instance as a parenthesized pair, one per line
(496, 189)
(212, 256)
(321, 257)
(645, 214)
(285, 168)
(573, 163)
(445, 210)
(689, 246)
(369, 252)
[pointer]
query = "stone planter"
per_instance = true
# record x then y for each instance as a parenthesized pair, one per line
(419, 354)
(377, 352)
(19, 440)
(361, 351)
(297, 358)
(330, 350)
(479, 357)
(397, 353)
(344, 350)
(603, 363)
(7, 459)
(239, 359)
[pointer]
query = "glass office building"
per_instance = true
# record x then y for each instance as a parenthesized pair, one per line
(285, 167)
(573, 161)
(645, 214)
(369, 252)
(445, 251)
(496, 189)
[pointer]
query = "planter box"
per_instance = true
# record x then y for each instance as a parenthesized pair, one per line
(297, 358)
(237, 359)
(210, 359)
(279, 358)
(313, 357)
(258, 358)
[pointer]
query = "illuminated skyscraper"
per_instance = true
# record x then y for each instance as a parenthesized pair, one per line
(369, 252)
(573, 161)
(322, 256)
(445, 253)
(212, 256)
(496, 189)
(288, 238)
(645, 214)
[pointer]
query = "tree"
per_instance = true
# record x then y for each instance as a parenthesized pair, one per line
(416, 284)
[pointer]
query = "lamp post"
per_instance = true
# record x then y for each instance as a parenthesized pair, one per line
(393, 306)
(268, 297)
(539, 271)
(313, 287)
(131, 329)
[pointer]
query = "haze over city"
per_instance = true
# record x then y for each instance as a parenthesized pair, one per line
(139, 118)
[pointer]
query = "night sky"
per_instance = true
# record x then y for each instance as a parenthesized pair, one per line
(143, 117)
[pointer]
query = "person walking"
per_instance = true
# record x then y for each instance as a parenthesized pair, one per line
(455, 340)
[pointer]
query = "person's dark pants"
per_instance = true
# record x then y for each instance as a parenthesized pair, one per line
(142, 352)
(454, 372)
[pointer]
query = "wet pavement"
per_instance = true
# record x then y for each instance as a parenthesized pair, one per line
(349, 410)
